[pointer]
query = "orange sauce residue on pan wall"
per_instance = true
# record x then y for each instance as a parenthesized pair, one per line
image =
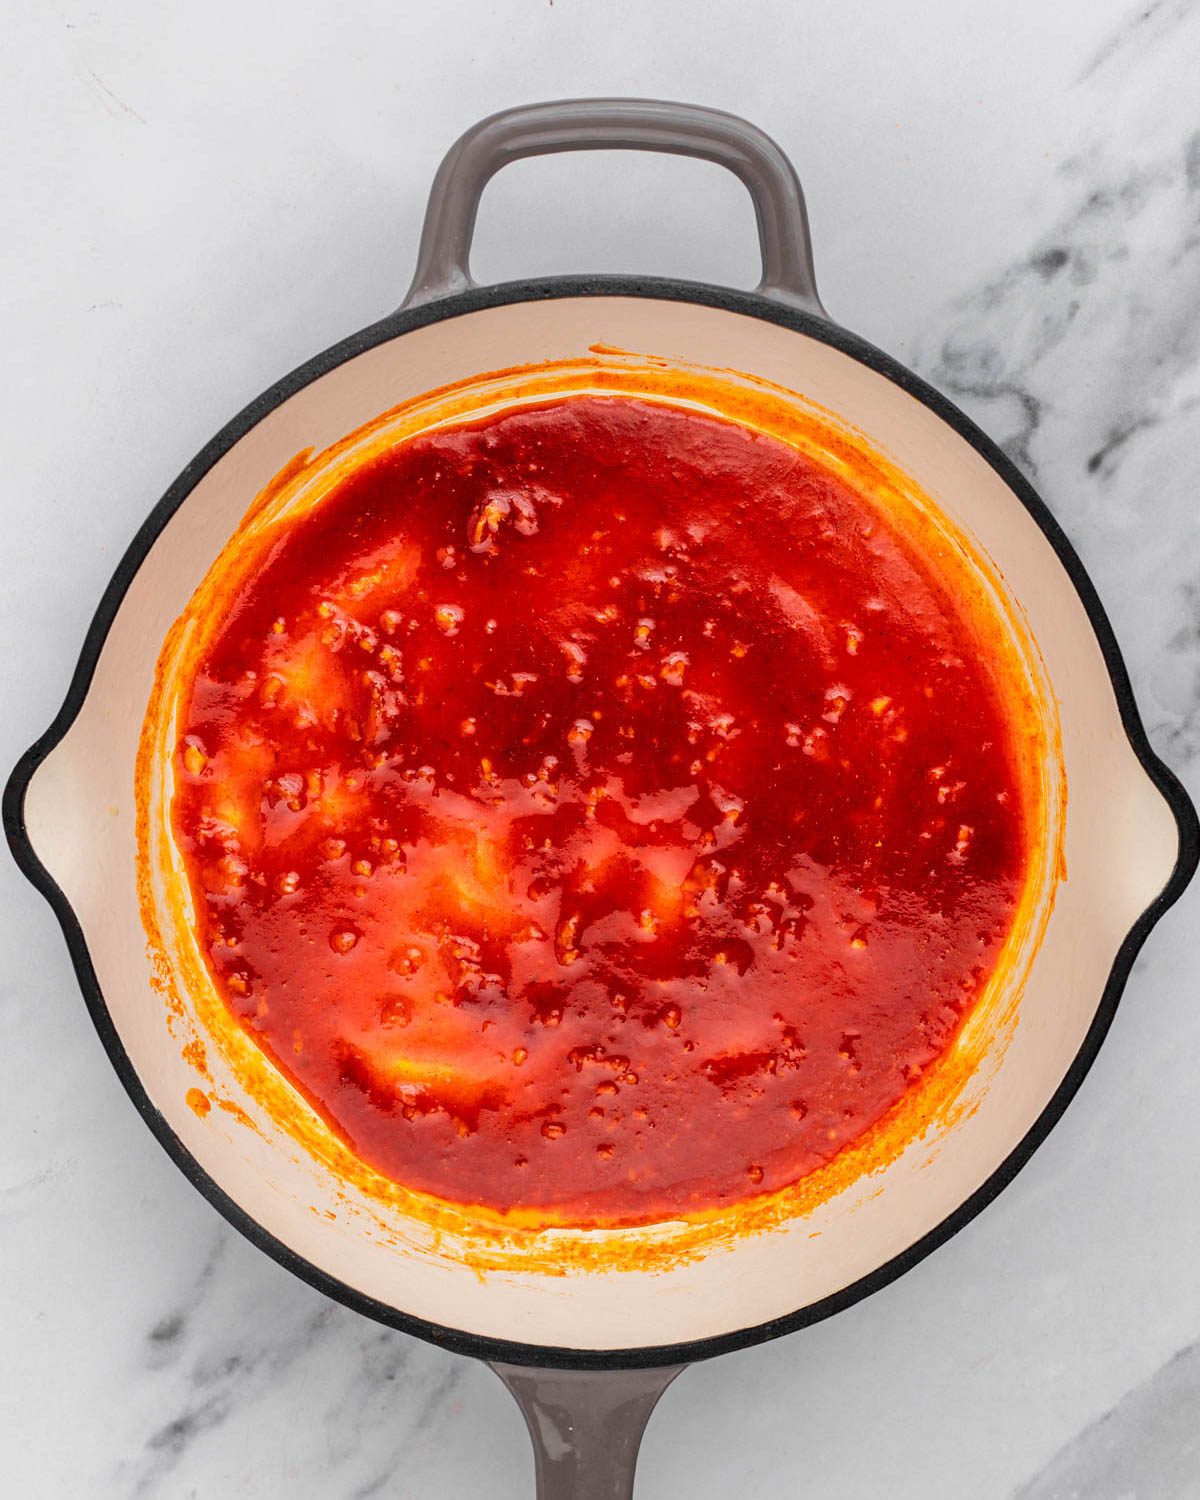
(607, 794)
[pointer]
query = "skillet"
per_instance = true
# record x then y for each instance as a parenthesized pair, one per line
(588, 1353)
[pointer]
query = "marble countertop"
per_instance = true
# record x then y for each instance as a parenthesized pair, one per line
(1005, 196)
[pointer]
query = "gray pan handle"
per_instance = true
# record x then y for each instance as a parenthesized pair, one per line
(443, 261)
(586, 1426)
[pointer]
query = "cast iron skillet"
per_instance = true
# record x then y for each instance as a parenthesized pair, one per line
(586, 1406)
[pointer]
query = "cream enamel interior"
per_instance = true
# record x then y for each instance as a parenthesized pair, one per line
(1120, 847)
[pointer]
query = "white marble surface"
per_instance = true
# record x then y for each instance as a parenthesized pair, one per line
(1006, 195)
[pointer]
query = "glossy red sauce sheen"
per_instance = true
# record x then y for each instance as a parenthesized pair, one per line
(599, 809)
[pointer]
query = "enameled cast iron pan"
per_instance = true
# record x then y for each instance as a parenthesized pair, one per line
(587, 1354)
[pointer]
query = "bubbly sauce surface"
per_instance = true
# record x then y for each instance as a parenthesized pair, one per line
(600, 809)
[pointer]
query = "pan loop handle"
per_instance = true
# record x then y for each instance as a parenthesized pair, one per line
(443, 260)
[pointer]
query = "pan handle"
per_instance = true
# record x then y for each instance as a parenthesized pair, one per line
(586, 1426)
(443, 260)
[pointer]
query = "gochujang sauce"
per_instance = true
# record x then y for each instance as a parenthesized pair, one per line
(601, 810)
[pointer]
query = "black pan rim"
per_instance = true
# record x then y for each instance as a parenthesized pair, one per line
(539, 289)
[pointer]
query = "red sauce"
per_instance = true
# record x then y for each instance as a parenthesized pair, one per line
(600, 809)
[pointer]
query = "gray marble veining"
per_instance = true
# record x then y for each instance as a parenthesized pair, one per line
(1146, 1448)
(1082, 356)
